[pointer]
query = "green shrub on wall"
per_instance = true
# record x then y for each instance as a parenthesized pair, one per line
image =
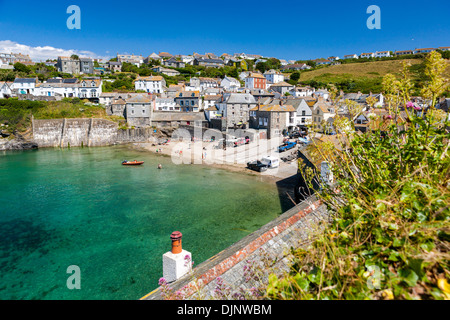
(390, 236)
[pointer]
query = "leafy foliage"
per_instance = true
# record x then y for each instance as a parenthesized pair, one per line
(389, 238)
(16, 114)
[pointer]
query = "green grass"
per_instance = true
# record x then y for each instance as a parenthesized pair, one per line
(17, 114)
(365, 77)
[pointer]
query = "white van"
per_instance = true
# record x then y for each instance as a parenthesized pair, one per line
(271, 162)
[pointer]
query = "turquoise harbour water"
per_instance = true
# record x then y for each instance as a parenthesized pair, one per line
(80, 206)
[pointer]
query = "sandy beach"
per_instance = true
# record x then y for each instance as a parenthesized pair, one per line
(233, 159)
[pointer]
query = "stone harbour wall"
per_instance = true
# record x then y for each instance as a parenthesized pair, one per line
(74, 132)
(48, 133)
(89, 132)
(295, 228)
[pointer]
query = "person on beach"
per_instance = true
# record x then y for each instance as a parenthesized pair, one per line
(159, 166)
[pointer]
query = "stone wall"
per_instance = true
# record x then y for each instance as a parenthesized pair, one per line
(74, 132)
(48, 133)
(295, 228)
(134, 135)
(208, 133)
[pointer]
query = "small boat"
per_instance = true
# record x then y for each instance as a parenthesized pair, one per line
(132, 163)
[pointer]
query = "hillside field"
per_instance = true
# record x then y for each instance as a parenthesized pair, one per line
(365, 77)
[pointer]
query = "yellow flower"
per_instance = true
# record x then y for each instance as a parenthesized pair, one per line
(445, 287)
(387, 294)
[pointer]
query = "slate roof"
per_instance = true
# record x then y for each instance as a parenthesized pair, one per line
(241, 98)
(188, 94)
(178, 116)
(25, 80)
(274, 108)
(282, 84)
(139, 99)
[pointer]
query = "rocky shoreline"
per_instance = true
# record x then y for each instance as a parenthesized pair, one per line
(17, 143)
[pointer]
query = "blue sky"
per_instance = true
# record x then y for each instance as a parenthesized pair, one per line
(285, 29)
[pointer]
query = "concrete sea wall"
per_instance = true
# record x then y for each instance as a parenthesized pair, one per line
(295, 228)
(89, 132)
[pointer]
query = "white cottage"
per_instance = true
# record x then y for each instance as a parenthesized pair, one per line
(151, 84)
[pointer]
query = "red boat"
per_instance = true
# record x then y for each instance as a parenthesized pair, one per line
(132, 163)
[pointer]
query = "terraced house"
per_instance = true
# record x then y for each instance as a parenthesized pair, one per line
(188, 101)
(75, 66)
(235, 108)
(323, 113)
(90, 88)
(11, 58)
(139, 111)
(273, 118)
(151, 84)
(24, 86)
(212, 63)
(137, 60)
(68, 65)
(274, 76)
(202, 83)
(255, 81)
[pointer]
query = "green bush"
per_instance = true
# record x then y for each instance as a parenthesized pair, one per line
(390, 234)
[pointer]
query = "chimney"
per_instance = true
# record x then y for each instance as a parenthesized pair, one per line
(177, 262)
(176, 242)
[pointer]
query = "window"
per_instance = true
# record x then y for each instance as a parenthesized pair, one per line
(181, 102)
(303, 113)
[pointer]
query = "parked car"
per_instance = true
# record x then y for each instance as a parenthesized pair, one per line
(257, 166)
(289, 157)
(303, 140)
(287, 146)
(295, 134)
(271, 162)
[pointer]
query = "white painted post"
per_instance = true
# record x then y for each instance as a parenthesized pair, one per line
(177, 262)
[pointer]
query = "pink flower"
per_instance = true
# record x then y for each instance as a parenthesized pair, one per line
(417, 108)
(388, 116)
(410, 104)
